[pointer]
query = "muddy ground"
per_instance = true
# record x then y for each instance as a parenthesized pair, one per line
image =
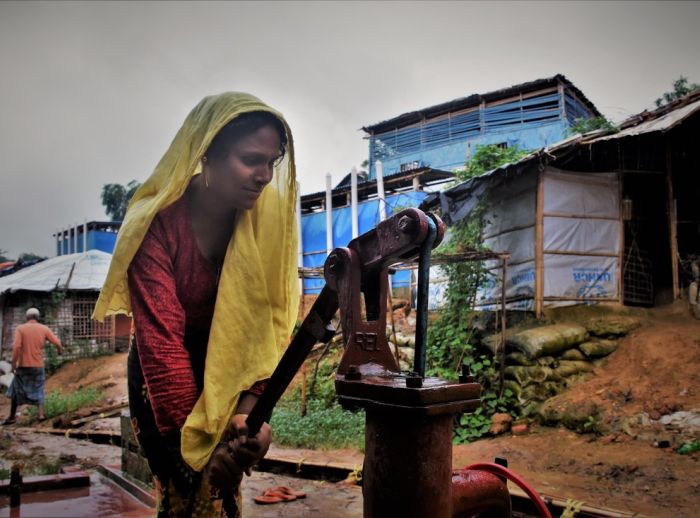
(629, 464)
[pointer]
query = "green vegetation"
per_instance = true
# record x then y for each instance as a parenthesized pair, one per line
(57, 403)
(451, 340)
(489, 157)
(116, 197)
(681, 88)
(584, 125)
(325, 425)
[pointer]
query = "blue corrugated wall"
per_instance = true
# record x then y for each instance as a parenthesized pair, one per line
(447, 141)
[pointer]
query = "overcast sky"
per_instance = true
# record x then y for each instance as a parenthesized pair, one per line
(93, 93)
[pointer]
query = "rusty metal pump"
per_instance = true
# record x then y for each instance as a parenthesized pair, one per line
(409, 417)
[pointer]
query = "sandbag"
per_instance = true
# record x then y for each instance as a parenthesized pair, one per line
(547, 361)
(529, 375)
(519, 358)
(540, 392)
(548, 340)
(611, 325)
(572, 354)
(5, 367)
(492, 342)
(570, 368)
(598, 348)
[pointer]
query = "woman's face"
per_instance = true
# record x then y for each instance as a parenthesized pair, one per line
(239, 178)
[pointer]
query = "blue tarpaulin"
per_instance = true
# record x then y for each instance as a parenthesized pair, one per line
(313, 230)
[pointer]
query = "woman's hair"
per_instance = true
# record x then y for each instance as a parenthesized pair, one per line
(241, 126)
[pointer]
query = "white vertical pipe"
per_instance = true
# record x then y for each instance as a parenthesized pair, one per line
(416, 183)
(379, 168)
(60, 230)
(353, 201)
(75, 237)
(329, 214)
(85, 235)
(300, 247)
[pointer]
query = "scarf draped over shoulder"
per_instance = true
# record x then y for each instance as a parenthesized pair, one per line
(258, 294)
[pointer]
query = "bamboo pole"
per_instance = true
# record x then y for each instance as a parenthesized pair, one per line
(539, 246)
(671, 208)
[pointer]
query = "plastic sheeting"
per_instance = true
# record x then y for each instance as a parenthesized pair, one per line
(581, 216)
(89, 271)
(581, 239)
(313, 232)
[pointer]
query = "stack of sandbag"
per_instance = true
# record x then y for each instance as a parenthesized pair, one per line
(406, 344)
(544, 361)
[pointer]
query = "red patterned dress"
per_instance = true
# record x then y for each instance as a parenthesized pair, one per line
(173, 291)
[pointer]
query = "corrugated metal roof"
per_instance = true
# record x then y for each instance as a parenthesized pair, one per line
(476, 99)
(662, 123)
(83, 271)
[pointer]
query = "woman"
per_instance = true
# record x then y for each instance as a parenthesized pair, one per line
(206, 262)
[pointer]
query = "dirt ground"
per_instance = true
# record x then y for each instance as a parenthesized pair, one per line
(625, 466)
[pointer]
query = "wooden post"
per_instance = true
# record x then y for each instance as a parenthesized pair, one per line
(671, 208)
(621, 255)
(539, 246)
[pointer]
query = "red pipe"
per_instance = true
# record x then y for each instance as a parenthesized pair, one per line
(500, 471)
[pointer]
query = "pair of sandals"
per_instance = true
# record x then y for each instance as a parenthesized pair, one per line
(278, 494)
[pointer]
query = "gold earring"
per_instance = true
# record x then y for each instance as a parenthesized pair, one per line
(204, 172)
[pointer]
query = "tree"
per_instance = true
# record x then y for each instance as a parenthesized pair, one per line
(489, 157)
(115, 198)
(681, 87)
(3, 257)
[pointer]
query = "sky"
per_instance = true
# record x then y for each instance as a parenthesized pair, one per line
(93, 92)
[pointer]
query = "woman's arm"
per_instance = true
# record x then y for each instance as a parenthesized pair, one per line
(159, 322)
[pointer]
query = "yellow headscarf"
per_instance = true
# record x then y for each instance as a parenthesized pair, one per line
(257, 299)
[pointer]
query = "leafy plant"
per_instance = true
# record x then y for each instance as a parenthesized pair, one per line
(489, 157)
(451, 338)
(584, 125)
(681, 88)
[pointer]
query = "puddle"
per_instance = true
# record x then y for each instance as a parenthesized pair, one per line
(102, 498)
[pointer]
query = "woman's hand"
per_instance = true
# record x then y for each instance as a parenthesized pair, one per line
(237, 453)
(247, 451)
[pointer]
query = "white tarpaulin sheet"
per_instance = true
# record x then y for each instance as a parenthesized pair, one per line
(581, 216)
(509, 224)
(89, 271)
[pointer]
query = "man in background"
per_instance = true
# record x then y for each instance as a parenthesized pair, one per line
(27, 387)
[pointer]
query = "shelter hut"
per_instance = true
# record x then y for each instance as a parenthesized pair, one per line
(605, 217)
(65, 289)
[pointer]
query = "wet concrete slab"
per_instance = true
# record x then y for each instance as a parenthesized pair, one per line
(101, 498)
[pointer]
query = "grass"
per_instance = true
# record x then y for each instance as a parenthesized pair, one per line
(57, 403)
(326, 424)
(323, 427)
